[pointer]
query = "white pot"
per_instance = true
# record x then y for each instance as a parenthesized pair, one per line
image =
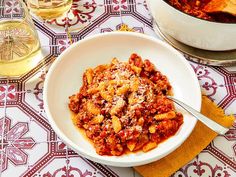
(193, 31)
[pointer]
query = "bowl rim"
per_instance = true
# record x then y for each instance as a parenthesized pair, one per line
(101, 159)
(197, 18)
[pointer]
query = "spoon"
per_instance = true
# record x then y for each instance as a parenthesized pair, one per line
(208, 122)
(227, 6)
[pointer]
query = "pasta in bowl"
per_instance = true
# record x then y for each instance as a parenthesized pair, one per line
(123, 106)
(65, 78)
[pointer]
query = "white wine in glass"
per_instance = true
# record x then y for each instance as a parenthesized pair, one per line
(19, 42)
(49, 9)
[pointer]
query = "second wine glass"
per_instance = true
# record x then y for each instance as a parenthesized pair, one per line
(49, 9)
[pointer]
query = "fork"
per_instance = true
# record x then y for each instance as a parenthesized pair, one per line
(208, 122)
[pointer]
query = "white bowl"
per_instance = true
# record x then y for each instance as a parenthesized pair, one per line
(65, 78)
(193, 31)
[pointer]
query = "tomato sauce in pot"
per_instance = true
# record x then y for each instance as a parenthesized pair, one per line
(195, 8)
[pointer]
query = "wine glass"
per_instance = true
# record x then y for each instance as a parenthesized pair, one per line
(49, 9)
(19, 42)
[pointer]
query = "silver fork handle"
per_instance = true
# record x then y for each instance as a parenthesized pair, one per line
(208, 122)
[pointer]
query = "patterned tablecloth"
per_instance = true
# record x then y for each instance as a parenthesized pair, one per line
(29, 146)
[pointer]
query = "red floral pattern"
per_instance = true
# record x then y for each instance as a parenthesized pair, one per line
(11, 7)
(13, 144)
(38, 90)
(202, 168)
(72, 171)
(7, 92)
(207, 82)
(79, 13)
(119, 5)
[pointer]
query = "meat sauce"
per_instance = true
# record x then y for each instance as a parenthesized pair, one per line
(122, 107)
(195, 8)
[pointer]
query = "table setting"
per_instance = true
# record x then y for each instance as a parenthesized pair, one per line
(80, 95)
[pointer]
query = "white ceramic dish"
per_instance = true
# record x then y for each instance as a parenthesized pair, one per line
(65, 78)
(193, 31)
